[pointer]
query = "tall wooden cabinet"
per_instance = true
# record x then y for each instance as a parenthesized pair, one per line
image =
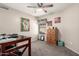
(52, 35)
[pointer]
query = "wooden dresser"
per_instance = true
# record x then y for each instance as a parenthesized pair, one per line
(52, 36)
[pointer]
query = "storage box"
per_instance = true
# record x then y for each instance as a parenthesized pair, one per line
(60, 43)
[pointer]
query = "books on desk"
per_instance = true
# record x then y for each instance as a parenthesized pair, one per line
(2, 36)
(7, 40)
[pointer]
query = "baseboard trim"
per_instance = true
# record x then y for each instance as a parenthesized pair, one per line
(72, 50)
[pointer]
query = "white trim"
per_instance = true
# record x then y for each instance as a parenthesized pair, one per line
(71, 49)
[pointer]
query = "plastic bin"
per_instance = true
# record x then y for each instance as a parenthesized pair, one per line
(60, 43)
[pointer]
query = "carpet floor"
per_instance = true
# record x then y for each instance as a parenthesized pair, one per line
(41, 48)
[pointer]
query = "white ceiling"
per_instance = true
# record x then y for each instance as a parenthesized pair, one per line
(33, 11)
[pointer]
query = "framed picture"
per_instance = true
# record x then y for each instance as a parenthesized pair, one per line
(57, 20)
(25, 24)
(49, 23)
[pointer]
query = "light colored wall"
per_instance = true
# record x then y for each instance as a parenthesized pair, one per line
(69, 26)
(10, 23)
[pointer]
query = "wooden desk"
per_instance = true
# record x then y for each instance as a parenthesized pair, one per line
(11, 41)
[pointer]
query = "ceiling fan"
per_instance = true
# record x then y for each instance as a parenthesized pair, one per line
(42, 6)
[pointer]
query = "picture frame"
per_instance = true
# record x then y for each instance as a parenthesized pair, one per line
(25, 24)
(57, 20)
(49, 23)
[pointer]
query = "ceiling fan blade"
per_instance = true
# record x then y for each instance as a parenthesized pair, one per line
(44, 10)
(4, 8)
(32, 7)
(47, 6)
